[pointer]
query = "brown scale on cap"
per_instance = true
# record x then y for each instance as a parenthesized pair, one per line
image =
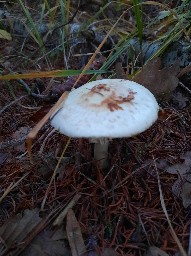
(98, 88)
(112, 101)
(103, 87)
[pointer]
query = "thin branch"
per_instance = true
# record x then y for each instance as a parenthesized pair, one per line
(173, 233)
(12, 103)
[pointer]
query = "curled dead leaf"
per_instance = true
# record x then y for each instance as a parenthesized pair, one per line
(160, 81)
(181, 187)
(16, 232)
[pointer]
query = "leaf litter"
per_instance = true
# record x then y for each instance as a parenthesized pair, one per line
(160, 81)
(182, 186)
(110, 201)
(17, 230)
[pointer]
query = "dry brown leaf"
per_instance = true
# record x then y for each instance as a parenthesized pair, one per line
(186, 194)
(180, 100)
(74, 235)
(159, 81)
(187, 158)
(177, 188)
(16, 229)
(44, 244)
(182, 186)
(155, 251)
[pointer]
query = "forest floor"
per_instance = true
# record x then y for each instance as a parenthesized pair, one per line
(140, 205)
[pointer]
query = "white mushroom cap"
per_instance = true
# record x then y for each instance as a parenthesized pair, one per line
(110, 108)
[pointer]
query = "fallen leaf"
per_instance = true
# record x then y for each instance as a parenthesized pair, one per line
(18, 229)
(74, 234)
(155, 251)
(186, 194)
(181, 187)
(44, 244)
(187, 158)
(180, 169)
(177, 188)
(180, 100)
(158, 81)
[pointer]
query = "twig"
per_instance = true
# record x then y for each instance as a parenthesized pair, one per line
(70, 20)
(35, 231)
(98, 49)
(183, 86)
(176, 239)
(32, 134)
(45, 140)
(54, 174)
(27, 88)
(12, 186)
(63, 214)
(12, 103)
(185, 70)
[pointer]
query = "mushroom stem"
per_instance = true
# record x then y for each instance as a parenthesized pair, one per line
(101, 153)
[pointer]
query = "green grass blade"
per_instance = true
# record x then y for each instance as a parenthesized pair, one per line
(139, 19)
(53, 73)
(34, 33)
(63, 21)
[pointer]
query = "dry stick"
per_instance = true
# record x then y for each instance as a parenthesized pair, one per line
(35, 231)
(11, 187)
(176, 239)
(45, 140)
(63, 214)
(122, 183)
(144, 230)
(185, 70)
(29, 91)
(98, 49)
(184, 86)
(35, 130)
(11, 103)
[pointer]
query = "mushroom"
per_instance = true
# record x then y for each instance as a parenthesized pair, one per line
(106, 109)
